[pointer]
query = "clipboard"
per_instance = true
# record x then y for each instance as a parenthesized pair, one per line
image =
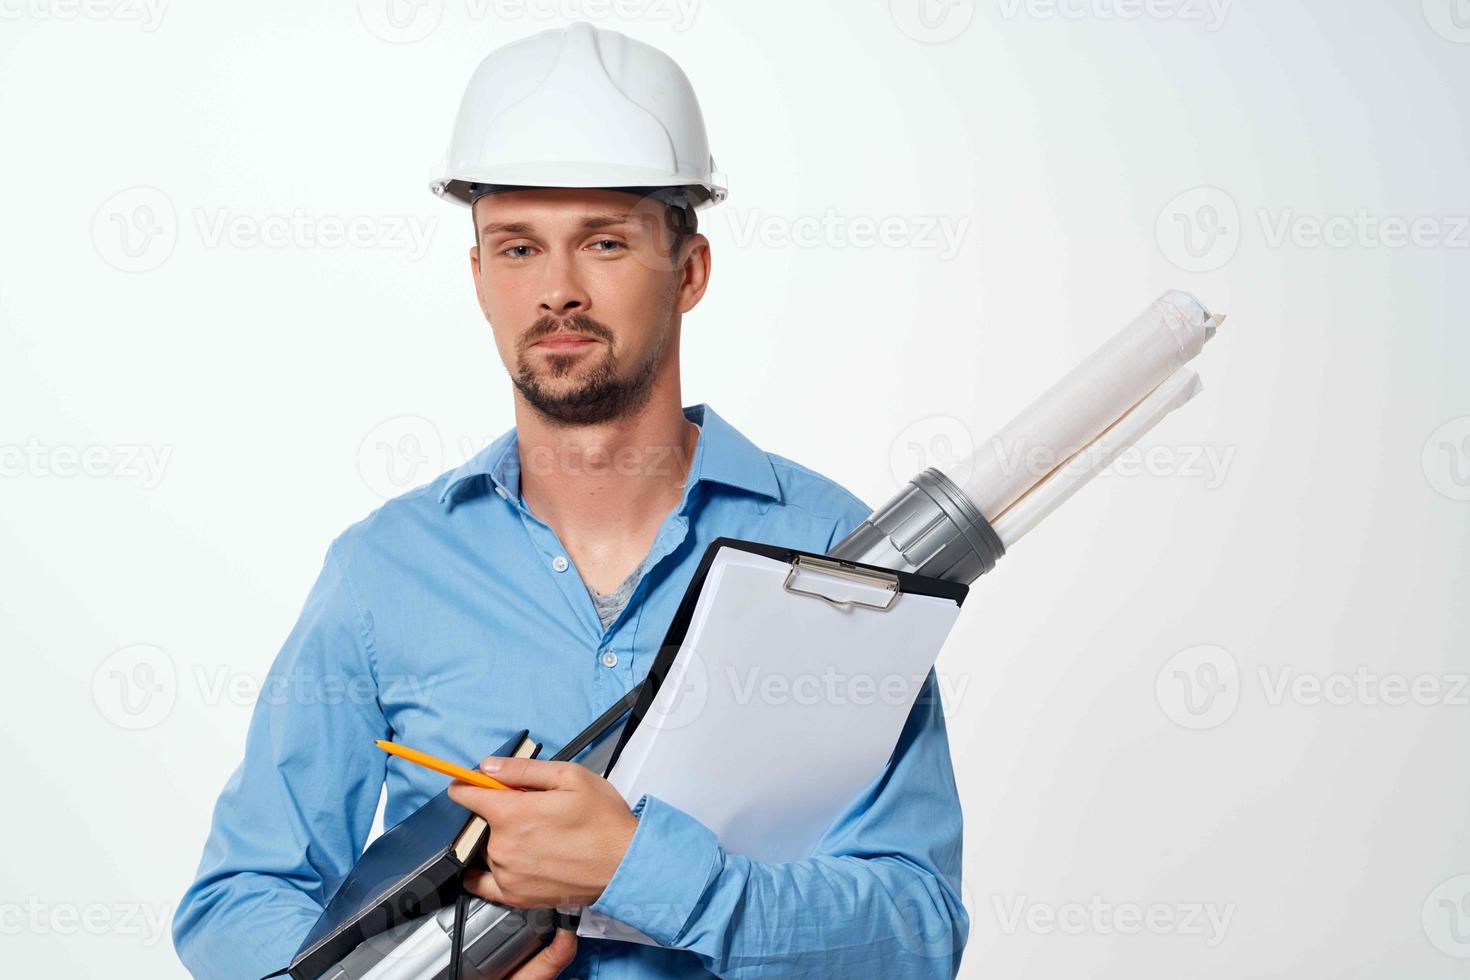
(766, 770)
(641, 697)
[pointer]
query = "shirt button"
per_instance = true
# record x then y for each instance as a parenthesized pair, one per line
(559, 563)
(609, 659)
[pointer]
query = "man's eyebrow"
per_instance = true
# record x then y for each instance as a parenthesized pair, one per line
(604, 220)
(590, 222)
(514, 227)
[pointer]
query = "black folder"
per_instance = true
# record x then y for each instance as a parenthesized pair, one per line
(411, 870)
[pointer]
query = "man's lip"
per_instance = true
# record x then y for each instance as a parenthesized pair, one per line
(565, 340)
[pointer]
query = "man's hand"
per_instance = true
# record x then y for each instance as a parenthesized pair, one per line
(557, 844)
(555, 958)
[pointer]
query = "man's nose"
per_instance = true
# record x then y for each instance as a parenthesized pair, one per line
(563, 292)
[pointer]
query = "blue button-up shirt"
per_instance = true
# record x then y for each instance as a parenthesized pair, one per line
(450, 618)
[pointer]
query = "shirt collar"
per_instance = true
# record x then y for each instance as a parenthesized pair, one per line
(722, 455)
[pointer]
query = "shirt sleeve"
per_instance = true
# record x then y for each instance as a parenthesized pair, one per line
(880, 897)
(295, 814)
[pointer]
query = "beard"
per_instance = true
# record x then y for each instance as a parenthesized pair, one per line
(603, 390)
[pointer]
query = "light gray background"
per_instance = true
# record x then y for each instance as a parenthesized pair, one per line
(188, 415)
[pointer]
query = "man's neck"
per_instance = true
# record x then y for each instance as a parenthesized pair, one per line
(605, 489)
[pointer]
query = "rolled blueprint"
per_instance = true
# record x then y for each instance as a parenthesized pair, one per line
(944, 522)
(1096, 456)
(1072, 412)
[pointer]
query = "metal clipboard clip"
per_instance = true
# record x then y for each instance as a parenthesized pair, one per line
(840, 569)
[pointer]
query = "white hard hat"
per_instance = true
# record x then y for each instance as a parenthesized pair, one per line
(579, 107)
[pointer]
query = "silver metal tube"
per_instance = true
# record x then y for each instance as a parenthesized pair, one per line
(929, 528)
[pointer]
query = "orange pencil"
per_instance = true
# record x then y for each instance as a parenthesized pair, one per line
(439, 765)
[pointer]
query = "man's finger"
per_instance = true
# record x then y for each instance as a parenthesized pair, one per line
(556, 957)
(482, 883)
(492, 804)
(526, 773)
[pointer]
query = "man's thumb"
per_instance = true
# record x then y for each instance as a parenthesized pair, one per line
(525, 773)
(556, 957)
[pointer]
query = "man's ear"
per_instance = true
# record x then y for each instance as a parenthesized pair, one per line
(475, 279)
(694, 272)
(475, 258)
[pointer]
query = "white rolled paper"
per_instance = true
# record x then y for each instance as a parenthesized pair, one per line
(1094, 395)
(1072, 475)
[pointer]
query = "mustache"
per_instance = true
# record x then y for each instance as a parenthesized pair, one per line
(576, 323)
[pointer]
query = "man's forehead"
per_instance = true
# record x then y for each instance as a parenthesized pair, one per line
(521, 211)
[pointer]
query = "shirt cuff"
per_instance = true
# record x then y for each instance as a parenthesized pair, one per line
(664, 874)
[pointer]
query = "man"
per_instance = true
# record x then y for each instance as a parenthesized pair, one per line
(531, 588)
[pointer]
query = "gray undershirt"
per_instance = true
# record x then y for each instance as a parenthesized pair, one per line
(608, 606)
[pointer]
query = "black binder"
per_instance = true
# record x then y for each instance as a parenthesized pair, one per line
(411, 870)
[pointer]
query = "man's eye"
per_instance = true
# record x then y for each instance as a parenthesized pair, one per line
(609, 241)
(513, 249)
